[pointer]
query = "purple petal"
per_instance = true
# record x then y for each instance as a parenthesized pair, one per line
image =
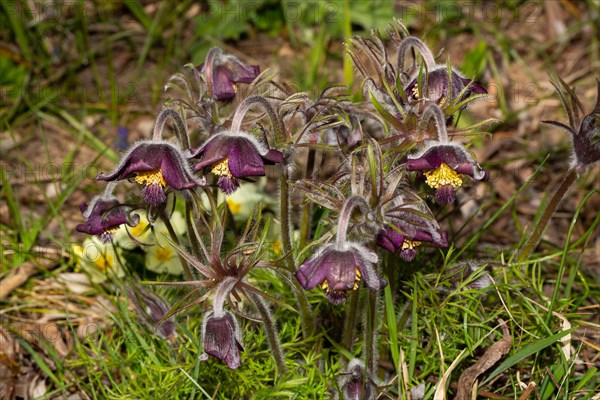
(220, 340)
(430, 160)
(474, 87)
(244, 159)
(437, 85)
(105, 216)
(175, 172)
(222, 84)
(341, 269)
(273, 157)
(311, 273)
(243, 74)
(390, 239)
(372, 280)
(143, 158)
(214, 150)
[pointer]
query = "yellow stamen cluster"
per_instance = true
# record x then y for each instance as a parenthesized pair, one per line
(151, 178)
(104, 262)
(112, 230)
(222, 168)
(410, 244)
(357, 278)
(164, 254)
(443, 175)
(416, 92)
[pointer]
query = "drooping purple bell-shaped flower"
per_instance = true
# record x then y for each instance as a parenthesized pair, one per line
(233, 156)
(152, 309)
(103, 216)
(224, 71)
(405, 243)
(357, 384)
(585, 133)
(444, 164)
(221, 336)
(339, 269)
(156, 165)
(441, 87)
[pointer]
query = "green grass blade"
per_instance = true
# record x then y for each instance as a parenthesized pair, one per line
(91, 139)
(16, 19)
(391, 321)
(137, 10)
(474, 239)
(40, 362)
(526, 351)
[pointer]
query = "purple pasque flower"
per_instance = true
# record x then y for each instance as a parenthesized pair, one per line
(222, 338)
(233, 156)
(345, 136)
(407, 223)
(223, 71)
(443, 164)
(475, 273)
(152, 309)
(585, 132)
(442, 87)
(103, 216)
(156, 165)
(404, 239)
(441, 84)
(339, 268)
(357, 384)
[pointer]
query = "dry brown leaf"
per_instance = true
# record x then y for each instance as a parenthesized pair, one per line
(491, 356)
(23, 272)
(9, 368)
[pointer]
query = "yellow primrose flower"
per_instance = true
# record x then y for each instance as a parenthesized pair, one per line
(244, 200)
(99, 260)
(161, 233)
(143, 233)
(161, 259)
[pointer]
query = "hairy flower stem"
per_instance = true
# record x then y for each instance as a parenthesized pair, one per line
(186, 268)
(180, 127)
(345, 216)
(221, 293)
(414, 43)
(308, 326)
(286, 225)
(192, 234)
(271, 331)
(350, 320)
(212, 195)
(370, 349)
(435, 112)
(569, 179)
(245, 105)
(305, 223)
(110, 188)
(209, 65)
